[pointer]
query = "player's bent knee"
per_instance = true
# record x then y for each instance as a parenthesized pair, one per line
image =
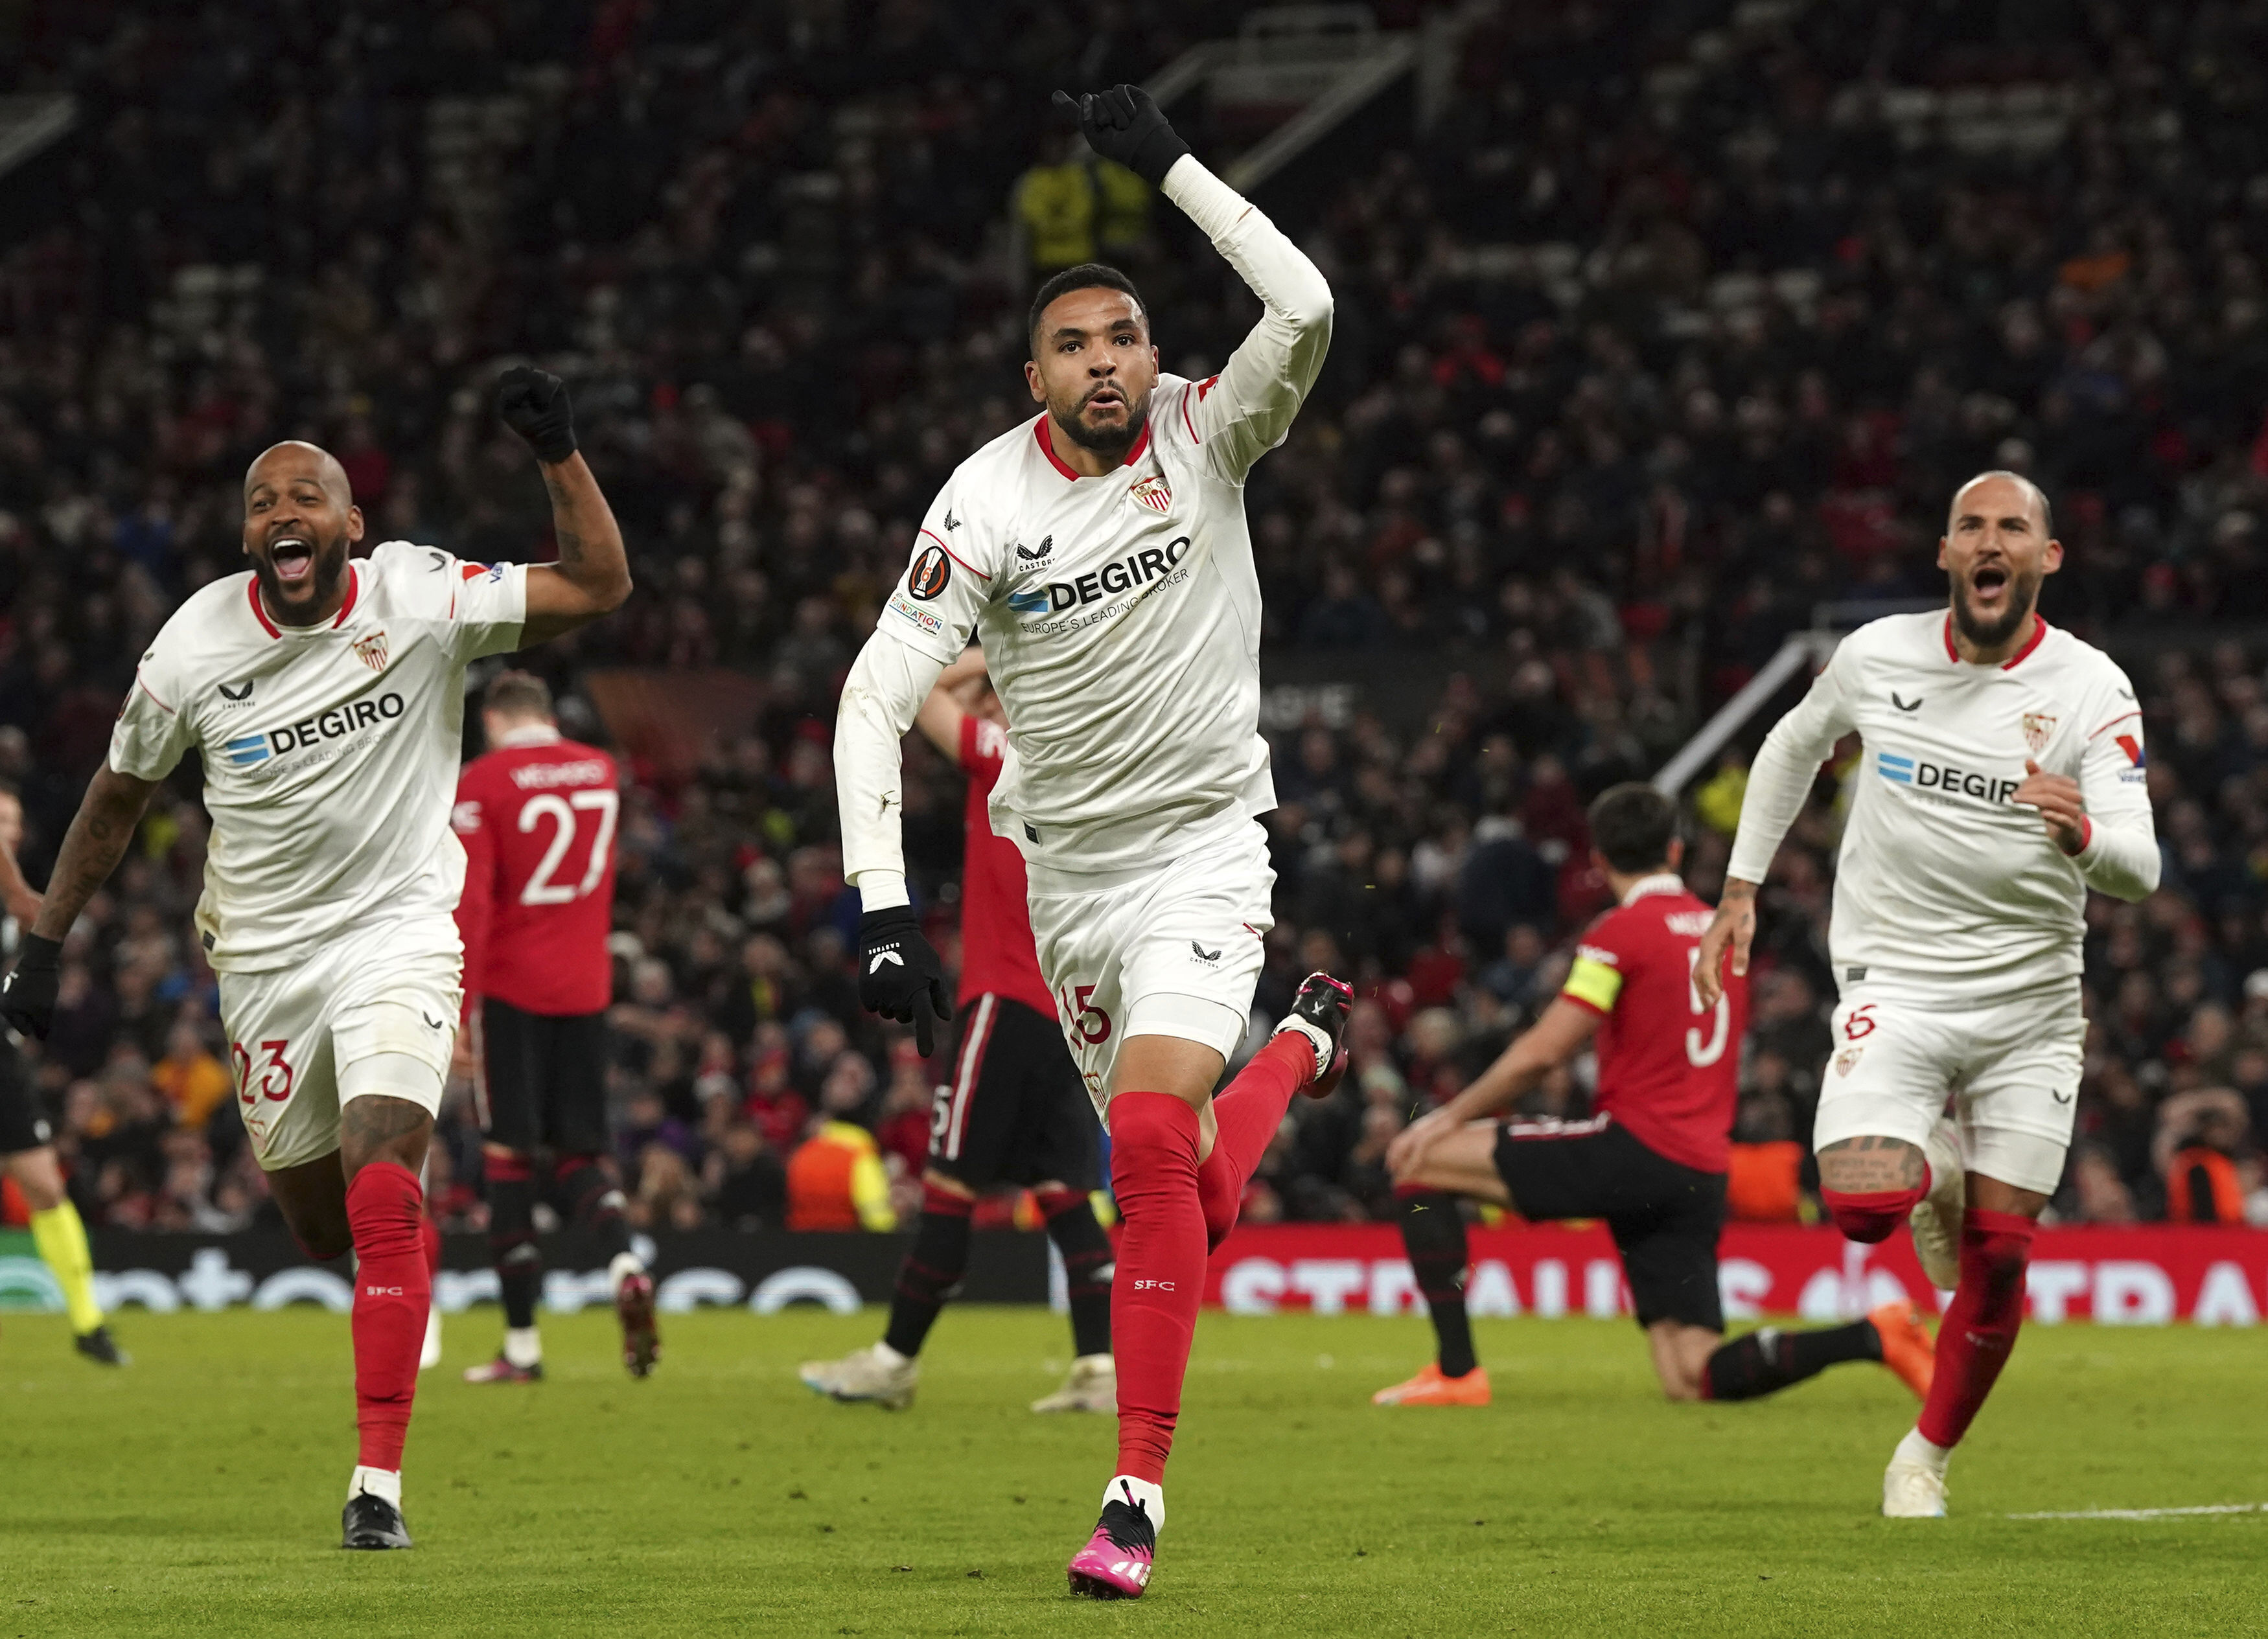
(1872, 1217)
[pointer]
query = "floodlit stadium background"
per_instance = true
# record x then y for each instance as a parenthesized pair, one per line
(1664, 333)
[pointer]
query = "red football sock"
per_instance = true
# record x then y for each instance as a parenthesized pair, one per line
(1980, 1323)
(1160, 1274)
(394, 1287)
(1874, 1214)
(1249, 1111)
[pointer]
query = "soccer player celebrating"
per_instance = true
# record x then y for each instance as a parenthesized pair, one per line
(27, 1149)
(2002, 778)
(1015, 1112)
(327, 697)
(1650, 1160)
(1101, 550)
(536, 814)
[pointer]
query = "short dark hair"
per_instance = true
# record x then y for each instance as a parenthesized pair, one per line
(518, 693)
(1086, 277)
(1632, 824)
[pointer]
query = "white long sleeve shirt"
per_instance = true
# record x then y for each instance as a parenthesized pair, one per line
(1120, 616)
(1942, 881)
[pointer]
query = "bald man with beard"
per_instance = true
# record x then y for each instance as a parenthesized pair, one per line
(326, 696)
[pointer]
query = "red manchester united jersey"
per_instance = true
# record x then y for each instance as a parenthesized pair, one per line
(996, 953)
(537, 819)
(1668, 1067)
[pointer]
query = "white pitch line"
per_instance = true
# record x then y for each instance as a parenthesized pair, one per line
(2150, 1513)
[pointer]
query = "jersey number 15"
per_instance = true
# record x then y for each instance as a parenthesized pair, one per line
(563, 812)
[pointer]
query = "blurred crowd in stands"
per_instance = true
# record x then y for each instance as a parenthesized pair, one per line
(1678, 321)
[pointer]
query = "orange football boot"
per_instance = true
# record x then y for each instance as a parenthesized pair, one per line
(1907, 1349)
(1429, 1387)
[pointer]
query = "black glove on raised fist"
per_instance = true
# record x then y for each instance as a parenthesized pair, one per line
(27, 995)
(900, 976)
(533, 404)
(1123, 125)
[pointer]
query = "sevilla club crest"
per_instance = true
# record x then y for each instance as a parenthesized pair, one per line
(2037, 728)
(1152, 492)
(372, 650)
(1847, 1060)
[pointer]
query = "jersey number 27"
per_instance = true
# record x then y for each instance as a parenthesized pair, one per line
(563, 812)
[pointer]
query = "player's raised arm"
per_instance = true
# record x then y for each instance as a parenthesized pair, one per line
(1778, 781)
(97, 839)
(592, 577)
(1245, 411)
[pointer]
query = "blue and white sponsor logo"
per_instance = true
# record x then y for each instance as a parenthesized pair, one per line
(1897, 769)
(246, 750)
(1925, 776)
(1031, 602)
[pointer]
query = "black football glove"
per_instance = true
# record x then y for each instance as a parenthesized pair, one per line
(900, 976)
(1124, 125)
(533, 404)
(27, 995)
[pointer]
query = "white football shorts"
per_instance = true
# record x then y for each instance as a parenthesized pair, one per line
(1171, 949)
(2010, 1062)
(373, 1014)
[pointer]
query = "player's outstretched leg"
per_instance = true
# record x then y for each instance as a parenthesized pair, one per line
(589, 1194)
(1093, 1385)
(1153, 1312)
(1769, 1359)
(1974, 1342)
(1303, 1054)
(1434, 1236)
(393, 1291)
(519, 1266)
(887, 1373)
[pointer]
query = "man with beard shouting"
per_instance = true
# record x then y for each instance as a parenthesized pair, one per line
(2002, 777)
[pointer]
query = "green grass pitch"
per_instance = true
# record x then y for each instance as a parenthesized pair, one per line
(199, 1492)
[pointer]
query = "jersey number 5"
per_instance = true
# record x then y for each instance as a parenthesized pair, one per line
(562, 812)
(1700, 1054)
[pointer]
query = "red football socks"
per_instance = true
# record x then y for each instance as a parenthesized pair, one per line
(1873, 1215)
(1980, 1324)
(1160, 1274)
(394, 1287)
(1249, 1112)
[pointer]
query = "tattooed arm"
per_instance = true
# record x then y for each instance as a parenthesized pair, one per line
(97, 839)
(592, 574)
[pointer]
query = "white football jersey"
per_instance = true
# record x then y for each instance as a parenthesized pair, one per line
(330, 753)
(1120, 616)
(1941, 880)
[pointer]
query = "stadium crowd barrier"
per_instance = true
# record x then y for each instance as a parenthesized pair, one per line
(2149, 1276)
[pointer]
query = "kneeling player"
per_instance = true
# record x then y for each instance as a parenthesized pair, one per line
(1015, 1110)
(1650, 1161)
(536, 815)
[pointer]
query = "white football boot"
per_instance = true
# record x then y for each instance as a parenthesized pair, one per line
(1936, 1217)
(877, 1374)
(1911, 1491)
(1093, 1386)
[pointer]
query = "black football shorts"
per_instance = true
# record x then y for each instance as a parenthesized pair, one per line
(540, 1080)
(1015, 1110)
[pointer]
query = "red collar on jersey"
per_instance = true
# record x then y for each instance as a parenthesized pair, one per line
(1047, 449)
(354, 590)
(2039, 635)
